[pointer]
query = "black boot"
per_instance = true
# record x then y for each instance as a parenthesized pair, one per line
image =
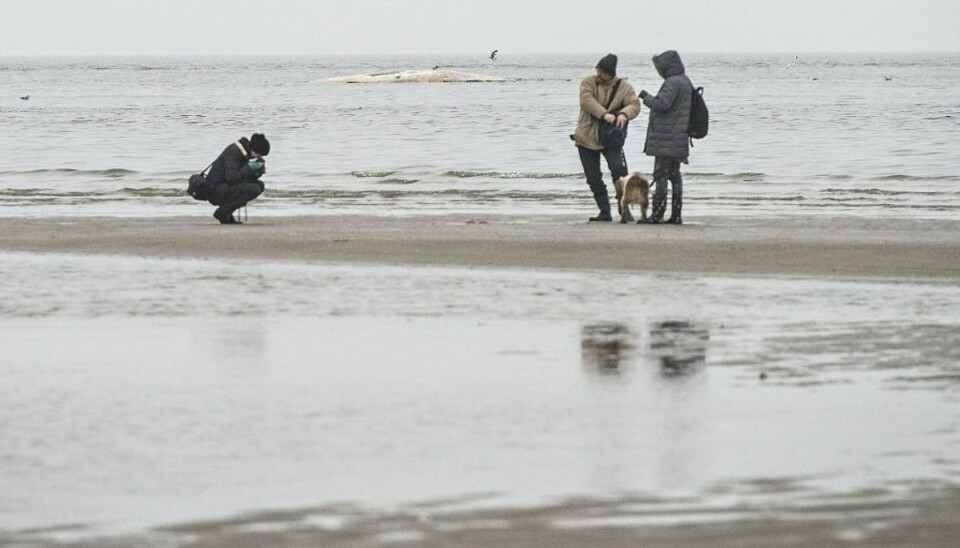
(603, 202)
(225, 217)
(675, 213)
(603, 216)
(656, 215)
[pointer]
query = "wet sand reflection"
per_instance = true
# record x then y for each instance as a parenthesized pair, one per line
(606, 347)
(677, 347)
(680, 347)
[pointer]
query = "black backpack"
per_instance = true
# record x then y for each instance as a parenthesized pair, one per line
(699, 116)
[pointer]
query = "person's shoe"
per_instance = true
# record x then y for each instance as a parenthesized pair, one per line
(675, 213)
(225, 219)
(602, 217)
(656, 216)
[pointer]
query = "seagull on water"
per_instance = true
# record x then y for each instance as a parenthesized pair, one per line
(25, 97)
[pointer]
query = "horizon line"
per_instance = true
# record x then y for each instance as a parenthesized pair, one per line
(483, 53)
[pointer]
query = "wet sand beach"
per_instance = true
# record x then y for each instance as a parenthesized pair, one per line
(418, 340)
(863, 520)
(356, 431)
(797, 245)
(446, 380)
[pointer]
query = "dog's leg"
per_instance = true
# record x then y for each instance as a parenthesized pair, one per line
(627, 217)
(618, 186)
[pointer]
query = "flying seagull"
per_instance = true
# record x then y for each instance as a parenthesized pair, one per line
(493, 55)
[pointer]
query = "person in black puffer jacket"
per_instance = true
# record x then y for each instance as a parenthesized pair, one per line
(235, 176)
(667, 138)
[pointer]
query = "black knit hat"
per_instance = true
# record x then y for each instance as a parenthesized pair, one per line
(608, 64)
(259, 144)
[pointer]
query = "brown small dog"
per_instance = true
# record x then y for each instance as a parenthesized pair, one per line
(634, 189)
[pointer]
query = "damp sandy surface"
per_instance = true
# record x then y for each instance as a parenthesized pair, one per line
(802, 245)
(270, 403)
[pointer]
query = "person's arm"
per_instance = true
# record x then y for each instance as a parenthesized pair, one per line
(631, 106)
(234, 166)
(664, 99)
(588, 100)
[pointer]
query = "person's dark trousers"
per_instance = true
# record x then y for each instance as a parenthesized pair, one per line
(617, 163)
(666, 168)
(232, 197)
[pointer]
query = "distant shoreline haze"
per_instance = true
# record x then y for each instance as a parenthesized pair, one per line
(502, 56)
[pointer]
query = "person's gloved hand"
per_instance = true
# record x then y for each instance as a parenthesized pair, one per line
(643, 93)
(255, 166)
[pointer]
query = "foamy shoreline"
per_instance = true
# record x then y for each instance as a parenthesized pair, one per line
(795, 246)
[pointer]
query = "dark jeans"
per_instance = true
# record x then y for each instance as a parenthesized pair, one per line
(232, 197)
(590, 159)
(667, 168)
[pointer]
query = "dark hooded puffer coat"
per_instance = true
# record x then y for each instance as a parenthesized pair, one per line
(669, 109)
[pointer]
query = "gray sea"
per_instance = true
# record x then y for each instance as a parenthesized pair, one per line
(175, 402)
(851, 134)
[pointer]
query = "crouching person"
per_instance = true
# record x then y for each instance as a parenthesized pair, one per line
(235, 176)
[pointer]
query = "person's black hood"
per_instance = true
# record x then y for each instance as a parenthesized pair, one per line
(668, 64)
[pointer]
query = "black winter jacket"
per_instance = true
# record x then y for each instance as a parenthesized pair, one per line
(231, 166)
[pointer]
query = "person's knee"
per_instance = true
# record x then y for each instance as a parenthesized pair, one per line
(252, 190)
(594, 177)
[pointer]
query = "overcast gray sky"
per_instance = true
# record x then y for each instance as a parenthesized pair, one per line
(175, 27)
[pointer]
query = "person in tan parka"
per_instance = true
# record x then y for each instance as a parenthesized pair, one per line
(595, 94)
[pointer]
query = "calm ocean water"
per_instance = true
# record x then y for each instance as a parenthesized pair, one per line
(865, 134)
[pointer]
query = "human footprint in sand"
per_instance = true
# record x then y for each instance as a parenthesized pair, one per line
(235, 176)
